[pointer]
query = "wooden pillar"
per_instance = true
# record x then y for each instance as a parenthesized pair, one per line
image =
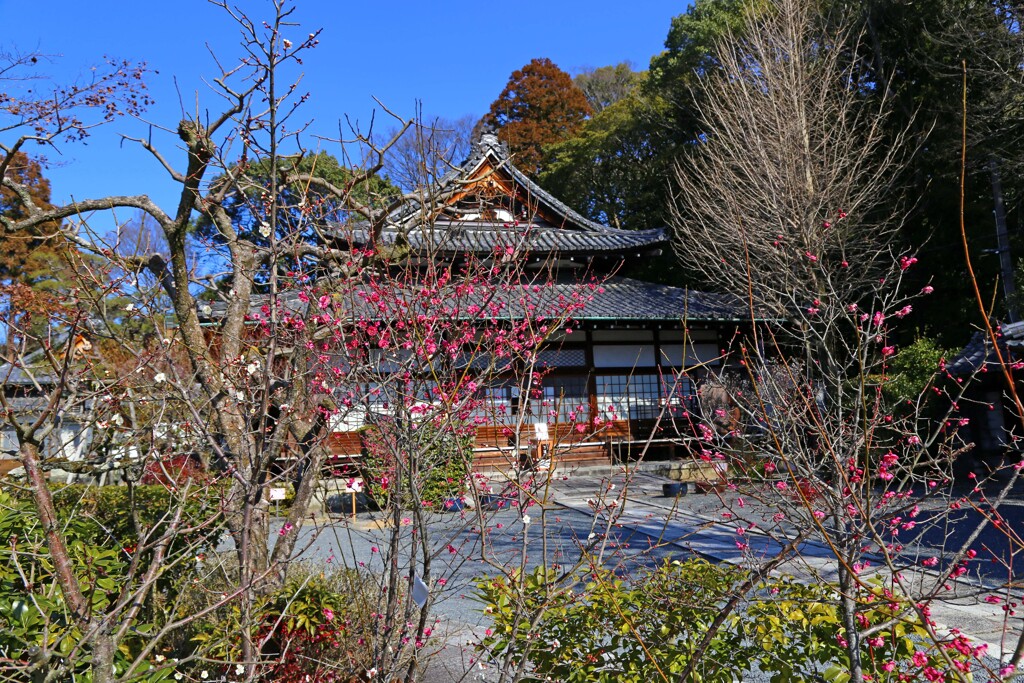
(591, 376)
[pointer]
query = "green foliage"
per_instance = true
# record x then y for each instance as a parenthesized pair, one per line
(912, 369)
(612, 631)
(318, 626)
(35, 621)
(689, 54)
(107, 513)
(98, 526)
(798, 635)
(614, 169)
(651, 628)
(301, 206)
(299, 200)
(913, 54)
(432, 460)
(692, 38)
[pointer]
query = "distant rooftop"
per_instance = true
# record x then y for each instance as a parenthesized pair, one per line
(979, 353)
(487, 203)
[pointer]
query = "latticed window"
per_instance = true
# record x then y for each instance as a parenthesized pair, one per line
(636, 397)
(562, 358)
(564, 399)
(561, 398)
(679, 393)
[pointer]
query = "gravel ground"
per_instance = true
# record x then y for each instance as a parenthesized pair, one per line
(462, 560)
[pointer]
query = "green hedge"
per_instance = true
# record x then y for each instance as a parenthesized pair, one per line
(439, 457)
(105, 512)
(34, 616)
(650, 628)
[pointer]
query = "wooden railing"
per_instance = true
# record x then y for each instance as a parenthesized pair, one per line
(495, 446)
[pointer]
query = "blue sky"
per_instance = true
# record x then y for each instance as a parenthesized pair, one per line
(454, 56)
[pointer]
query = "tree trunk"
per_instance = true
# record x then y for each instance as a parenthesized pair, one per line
(848, 610)
(103, 650)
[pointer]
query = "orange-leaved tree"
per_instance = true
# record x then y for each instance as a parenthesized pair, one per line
(30, 262)
(539, 106)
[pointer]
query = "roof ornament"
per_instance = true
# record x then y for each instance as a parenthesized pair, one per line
(485, 139)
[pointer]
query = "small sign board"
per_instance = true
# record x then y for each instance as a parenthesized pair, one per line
(540, 431)
(278, 493)
(352, 485)
(420, 592)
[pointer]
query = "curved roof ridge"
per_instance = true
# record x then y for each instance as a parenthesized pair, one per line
(488, 144)
(568, 232)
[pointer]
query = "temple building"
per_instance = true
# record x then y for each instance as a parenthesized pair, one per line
(640, 350)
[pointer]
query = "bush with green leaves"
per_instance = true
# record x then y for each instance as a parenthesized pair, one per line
(317, 627)
(653, 627)
(912, 369)
(798, 633)
(613, 631)
(432, 460)
(36, 627)
(117, 514)
(107, 530)
(114, 511)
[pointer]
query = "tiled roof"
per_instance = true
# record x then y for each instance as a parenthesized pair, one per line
(979, 352)
(25, 406)
(480, 237)
(614, 299)
(15, 375)
(575, 234)
(32, 369)
(626, 299)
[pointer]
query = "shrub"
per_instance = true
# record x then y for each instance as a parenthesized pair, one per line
(34, 617)
(318, 627)
(109, 509)
(912, 369)
(799, 635)
(612, 631)
(434, 459)
(101, 518)
(651, 629)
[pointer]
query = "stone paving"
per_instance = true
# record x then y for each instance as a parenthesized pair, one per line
(648, 528)
(691, 523)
